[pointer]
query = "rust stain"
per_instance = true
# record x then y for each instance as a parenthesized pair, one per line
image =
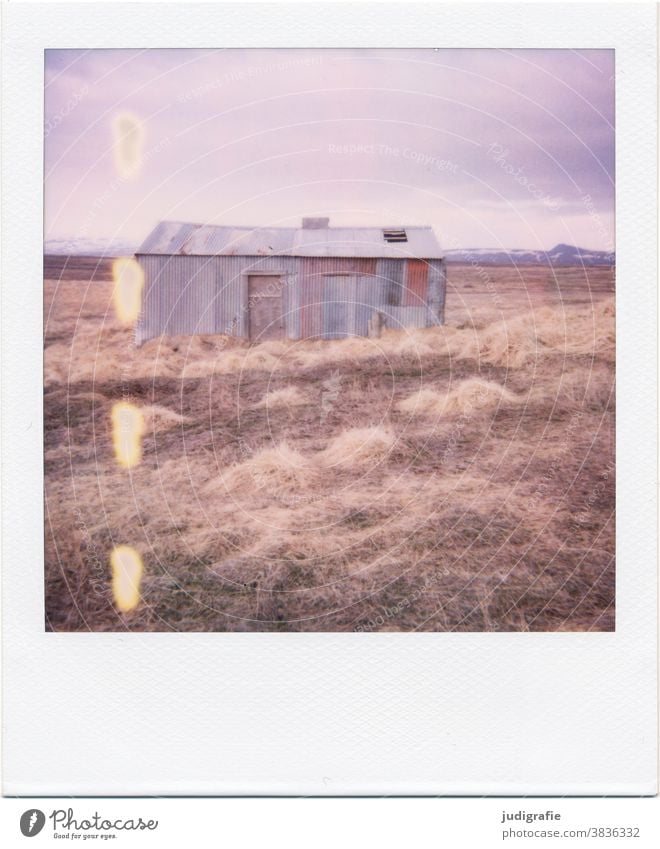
(416, 283)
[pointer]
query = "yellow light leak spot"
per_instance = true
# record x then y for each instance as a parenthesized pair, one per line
(129, 280)
(126, 576)
(128, 139)
(127, 431)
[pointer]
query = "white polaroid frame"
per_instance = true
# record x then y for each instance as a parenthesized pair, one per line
(329, 714)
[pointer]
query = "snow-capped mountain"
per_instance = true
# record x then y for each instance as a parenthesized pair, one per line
(559, 255)
(88, 247)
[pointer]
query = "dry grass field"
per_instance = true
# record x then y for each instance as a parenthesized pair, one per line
(450, 479)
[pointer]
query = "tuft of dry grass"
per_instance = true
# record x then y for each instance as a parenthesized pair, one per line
(278, 470)
(358, 446)
(160, 418)
(469, 395)
(289, 396)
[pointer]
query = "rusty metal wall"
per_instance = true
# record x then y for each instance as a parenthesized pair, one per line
(312, 273)
(339, 298)
(393, 272)
(416, 283)
(196, 294)
(199, 294)
(311, 297)
(349, 301)
(398, 318)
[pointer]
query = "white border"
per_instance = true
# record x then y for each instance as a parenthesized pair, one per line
(133, 714)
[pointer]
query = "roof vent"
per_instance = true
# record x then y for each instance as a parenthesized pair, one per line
(395, 236)
(315, 223)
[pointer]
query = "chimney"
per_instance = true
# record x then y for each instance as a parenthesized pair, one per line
(315, 223)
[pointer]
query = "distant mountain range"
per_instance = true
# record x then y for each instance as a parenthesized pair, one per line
(89, 247)
(559, 255)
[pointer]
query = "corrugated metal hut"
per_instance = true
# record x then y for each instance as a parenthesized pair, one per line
(312, 282)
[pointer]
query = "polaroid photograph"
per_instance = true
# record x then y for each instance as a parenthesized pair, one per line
(304, 373)
(329, 434)
(273, 421)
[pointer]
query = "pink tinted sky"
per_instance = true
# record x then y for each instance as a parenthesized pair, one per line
(492, 148)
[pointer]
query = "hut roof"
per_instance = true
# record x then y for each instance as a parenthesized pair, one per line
(177, 238)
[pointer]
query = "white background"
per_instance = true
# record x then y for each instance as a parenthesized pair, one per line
(313, 714)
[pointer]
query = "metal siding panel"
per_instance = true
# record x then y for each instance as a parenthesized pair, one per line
(401, 317)
(166, 295)
(229, 300)
(228, 297)
(147, 324)
(339, 306)
(362, 315)
(353, 307)
(292, 305)
(369, 294)
(372, 291)
(205, 293)
(365, 265)
(311, 296)
(437, 288)
(178, 288)
(367, 297)
(189, 294)
(333, 309)
(416, 283)
(392, 271)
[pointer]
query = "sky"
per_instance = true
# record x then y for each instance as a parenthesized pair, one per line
(492, 148)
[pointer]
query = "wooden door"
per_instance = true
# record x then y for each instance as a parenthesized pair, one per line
(266, 314)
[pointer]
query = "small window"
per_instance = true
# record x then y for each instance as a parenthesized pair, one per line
(395, 236)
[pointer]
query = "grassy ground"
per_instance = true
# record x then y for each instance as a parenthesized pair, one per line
(457, 478)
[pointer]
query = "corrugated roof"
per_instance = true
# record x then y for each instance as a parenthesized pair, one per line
(176, 238)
